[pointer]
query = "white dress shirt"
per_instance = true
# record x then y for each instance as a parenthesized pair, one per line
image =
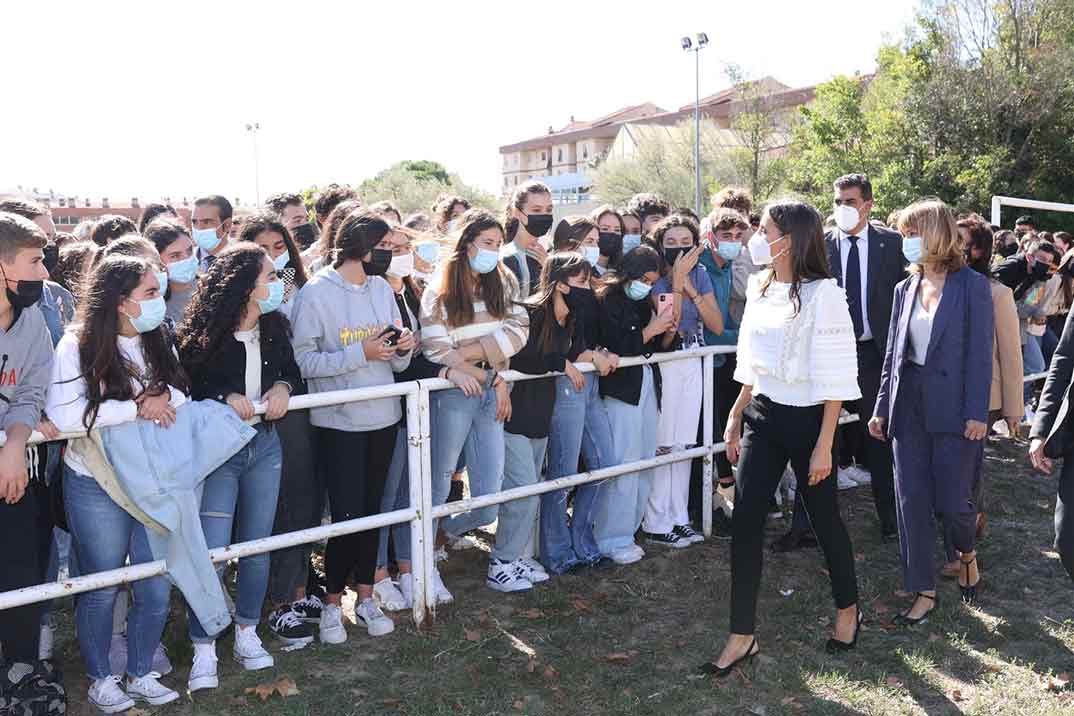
(920, 330)
(252, 341)
(863, 260)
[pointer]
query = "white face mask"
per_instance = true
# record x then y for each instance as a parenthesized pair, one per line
(402, 265)
(847, 218)
(761, 249)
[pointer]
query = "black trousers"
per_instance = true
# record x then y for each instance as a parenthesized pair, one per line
(727, 391)
(874, 454)
(353, 467)
(25, 528)
(299, 507)
(773, 435)
(1064, 515)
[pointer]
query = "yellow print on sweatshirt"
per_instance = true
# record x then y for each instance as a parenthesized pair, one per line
(349, 336)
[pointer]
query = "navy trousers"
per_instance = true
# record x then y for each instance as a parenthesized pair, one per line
(935, 473)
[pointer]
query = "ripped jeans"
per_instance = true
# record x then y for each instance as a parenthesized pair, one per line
(241, 495)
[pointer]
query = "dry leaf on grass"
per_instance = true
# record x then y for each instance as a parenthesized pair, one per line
(934, 637)
(620, 657)
(284, 686)
(532, 614)
(519, 705)
(263, 691)
(580, 604)
(550, 673)
(137, 712)
(893, 682)
(956, 696)
(471, 634)
(1058, 682)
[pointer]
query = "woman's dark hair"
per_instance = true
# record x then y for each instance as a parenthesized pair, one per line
(645, 205)
(517, 201)
(110, 227)
(1066, 238)
(262, 222)
(687, 213)
(636, 263)
(809, 257)
(330, 197)
(386, 207)
(981, 239)
(75, 261)
(218, 306)
(419, 221)
(559, 267)
(571, 231)
(357, 235)
(335, 217)
(134, 246)
(444, 207)
(608, 210)
(458, 289)
(666, 225)
(153, 211)
(107, 373)
(164, 232)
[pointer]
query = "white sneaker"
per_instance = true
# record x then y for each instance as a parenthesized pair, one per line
(845, 481)
(443, 596)
(248, 650)
(203, 671)
(636, 549)
(46, 642)
(534, 570)
(332, 631)
(721, 502)
(625, 555)
(507, 577)
(147, 688)
(117, 654)
(1030, 415)
(406, 588)
(440, 555)
(1000, 428)
(376, 623)
(388, 596)
(161, 663)
(107, 695)
(859, 474)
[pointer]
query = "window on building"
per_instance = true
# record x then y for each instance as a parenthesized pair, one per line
(559, 156)
(585, 151)
(542, 156)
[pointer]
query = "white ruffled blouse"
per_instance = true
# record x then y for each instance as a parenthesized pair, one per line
(798, 359)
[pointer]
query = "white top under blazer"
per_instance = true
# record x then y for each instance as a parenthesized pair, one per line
(798, 359)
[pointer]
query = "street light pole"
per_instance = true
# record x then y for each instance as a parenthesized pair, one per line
(689, 46)
(253, 130)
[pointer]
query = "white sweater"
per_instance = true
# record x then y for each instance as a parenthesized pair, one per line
(803, 359)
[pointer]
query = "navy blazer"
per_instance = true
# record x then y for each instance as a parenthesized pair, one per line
(958, 366)
(885, 269)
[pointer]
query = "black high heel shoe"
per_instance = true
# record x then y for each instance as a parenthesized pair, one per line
(710, 668)
(906, 621)
(834, 646)
(969, 592)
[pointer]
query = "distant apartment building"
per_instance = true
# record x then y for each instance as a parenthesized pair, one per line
(562, 158)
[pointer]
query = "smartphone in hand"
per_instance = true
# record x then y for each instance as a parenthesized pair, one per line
(665, 304)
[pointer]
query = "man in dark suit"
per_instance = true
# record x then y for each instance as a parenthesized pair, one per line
(868, 262)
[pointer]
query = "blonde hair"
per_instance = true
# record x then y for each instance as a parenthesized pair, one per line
(934, 222)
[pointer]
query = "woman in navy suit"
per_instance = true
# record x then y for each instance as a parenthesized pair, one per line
(933, 399)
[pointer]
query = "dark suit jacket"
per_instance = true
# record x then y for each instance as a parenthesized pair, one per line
(1052, 421)
(958, 367)
(225, 372)
(886, 268)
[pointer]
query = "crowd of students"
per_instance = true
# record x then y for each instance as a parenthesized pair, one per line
(178, 329)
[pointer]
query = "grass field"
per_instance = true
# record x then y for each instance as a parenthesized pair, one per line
(628, 640)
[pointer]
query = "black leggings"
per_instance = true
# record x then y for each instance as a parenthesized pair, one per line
(25, 528)
(774, 434)
(353, 468)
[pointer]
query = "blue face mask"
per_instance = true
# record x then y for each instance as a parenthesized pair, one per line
(153, 310)
(428, 252)
(162, 279)
(728, 250)
(206, 239)
(631, 241)
(275, 297)
(183, 271)
(591, 254)
(912, 248)
(280, 262)
(485, 261)
(637, 290)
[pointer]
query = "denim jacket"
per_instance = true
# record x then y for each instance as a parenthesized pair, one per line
(162, 471)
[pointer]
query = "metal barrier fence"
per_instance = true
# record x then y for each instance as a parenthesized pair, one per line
(421, 514)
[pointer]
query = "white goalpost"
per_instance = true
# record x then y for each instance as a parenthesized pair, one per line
(998, 202)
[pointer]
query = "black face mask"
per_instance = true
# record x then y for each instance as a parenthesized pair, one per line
(1040, 271)
(380, 260)
(671, 254)
(304, 235)
(610, 243)
(26, 293)
(538, 225)
(579, 299)
(1007, 250)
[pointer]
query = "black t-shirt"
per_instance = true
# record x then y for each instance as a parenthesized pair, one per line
(532, 401)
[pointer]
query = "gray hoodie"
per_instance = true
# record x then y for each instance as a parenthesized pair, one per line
(331, 319)
(25, 369)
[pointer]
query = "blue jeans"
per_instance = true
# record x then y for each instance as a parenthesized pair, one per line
(580, 426)
(523, 459)
(1032, 362)
(461, 423)
(241, 495)
(396, 497)
(623, 499)
(104, 535)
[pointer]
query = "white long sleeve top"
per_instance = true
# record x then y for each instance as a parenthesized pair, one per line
(66, 401)
(803, 358)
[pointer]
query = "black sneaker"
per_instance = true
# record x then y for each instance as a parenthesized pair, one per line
(455, 493)
(31, 690)
(287, 626)
(689, 534)
(721, 525)
(668, 539)
(308, 609)
(793, 541)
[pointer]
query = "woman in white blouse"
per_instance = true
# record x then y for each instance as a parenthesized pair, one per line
(797, 364)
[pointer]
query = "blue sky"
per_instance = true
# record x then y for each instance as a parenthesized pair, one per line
(151, 98)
